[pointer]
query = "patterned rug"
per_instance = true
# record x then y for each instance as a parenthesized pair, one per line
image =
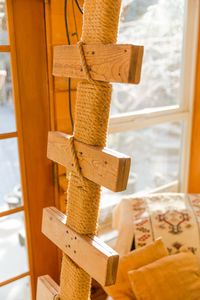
(174, 217)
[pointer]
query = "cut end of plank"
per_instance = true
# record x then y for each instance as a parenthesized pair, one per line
(110, 62)
(100, 165)
(47, 288)
(89, 252)
(136, 60)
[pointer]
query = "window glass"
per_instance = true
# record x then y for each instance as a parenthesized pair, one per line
(155, 156)
(17, 290)
(159, 26)
(7, 114)
(10, 188)
(3, 24)
(13, 256)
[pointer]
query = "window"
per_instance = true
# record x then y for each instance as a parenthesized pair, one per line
(151, 122)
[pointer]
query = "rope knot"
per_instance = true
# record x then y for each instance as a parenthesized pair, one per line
(75, 157)
(84, 63)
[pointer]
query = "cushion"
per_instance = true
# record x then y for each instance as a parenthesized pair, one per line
(122, 289)
(174, 217)
(174, 277)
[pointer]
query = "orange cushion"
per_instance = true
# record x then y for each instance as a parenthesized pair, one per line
(122, 289)
(174, 277)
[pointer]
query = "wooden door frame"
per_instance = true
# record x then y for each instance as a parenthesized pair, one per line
(32, 106)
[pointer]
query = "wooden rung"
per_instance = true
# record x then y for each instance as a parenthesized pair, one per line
(46, 288)
(115, 63)
(89, 252)
(101, 165)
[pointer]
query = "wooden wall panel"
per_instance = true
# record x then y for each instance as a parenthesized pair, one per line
(58, 23)
(56, 34)
(194, 171)
(61, 84)
(58, 87)
(62, 116)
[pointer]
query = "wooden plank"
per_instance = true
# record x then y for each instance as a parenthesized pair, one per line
(61, 109)
(115, 63)
(47, 288)
(90, 253)
(101, 165)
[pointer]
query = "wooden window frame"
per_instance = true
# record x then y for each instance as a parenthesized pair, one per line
(194, 166)
(28, 56)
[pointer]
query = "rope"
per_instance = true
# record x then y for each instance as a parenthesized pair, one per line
(77, 282)
(84, 63)
(92, 113)
(75, 158)
(100, 22)
(86, 68)
(100, 25)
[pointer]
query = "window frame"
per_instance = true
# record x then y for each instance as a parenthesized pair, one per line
(158, 115)
(32, 113)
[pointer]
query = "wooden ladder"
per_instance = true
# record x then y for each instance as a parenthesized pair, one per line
(115, 63)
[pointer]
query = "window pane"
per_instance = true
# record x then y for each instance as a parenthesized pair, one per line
(13, 256)
(17, 290)
(159, 26)
(155, 156)
(10, 189)
(3, 24)
(7, 114)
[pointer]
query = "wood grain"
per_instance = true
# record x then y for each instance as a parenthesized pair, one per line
(115, 63)
(194, 170)
(62, 115)
(58, 30)
(58, 87)
(101, 165)
(47, 288)
(28, 40)
(89, 252)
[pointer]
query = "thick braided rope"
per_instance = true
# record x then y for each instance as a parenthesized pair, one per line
(100, 25)
(77, 282)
